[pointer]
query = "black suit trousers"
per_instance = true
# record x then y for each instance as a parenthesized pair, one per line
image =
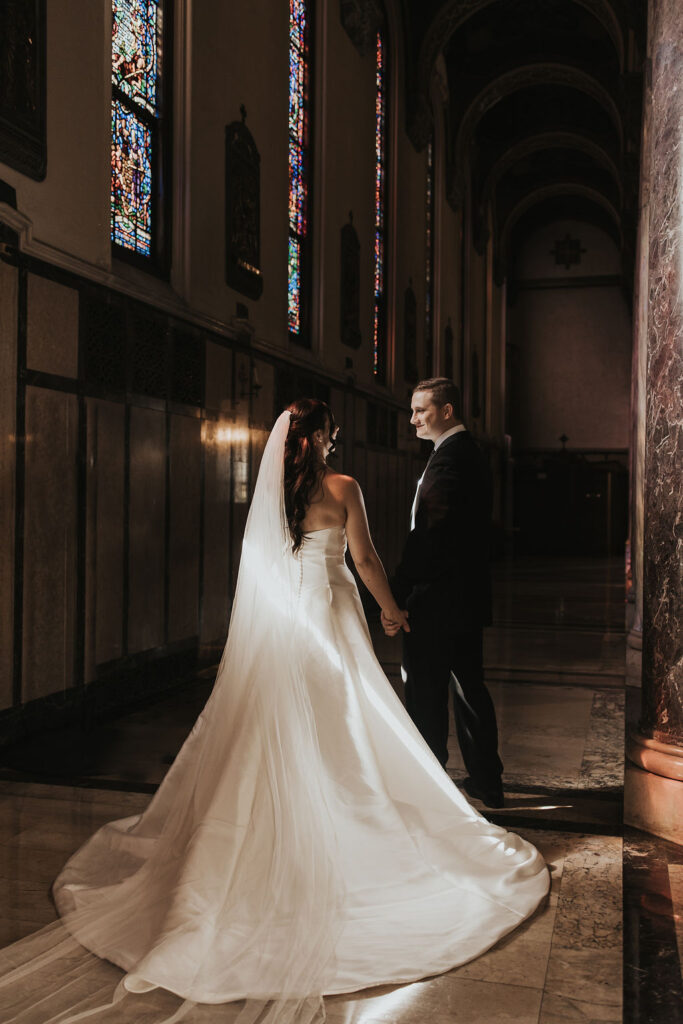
(437, 660)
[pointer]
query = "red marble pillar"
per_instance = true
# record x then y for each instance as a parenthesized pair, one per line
(634, 641)
(654, 789)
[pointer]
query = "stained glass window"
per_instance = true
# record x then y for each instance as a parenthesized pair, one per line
(379, 311)
(299, 167)
(136, 124)
(136, 50)
(429, 263)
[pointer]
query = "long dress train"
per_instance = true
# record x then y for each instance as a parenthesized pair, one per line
(305, 840)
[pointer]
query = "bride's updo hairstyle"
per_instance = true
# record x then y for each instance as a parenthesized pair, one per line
(303, 465)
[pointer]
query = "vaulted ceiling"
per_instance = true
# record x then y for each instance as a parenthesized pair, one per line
(542, 111)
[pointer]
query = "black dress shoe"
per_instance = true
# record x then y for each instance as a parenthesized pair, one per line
(490, 798)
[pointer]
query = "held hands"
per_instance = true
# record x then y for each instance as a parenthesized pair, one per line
(394, 620)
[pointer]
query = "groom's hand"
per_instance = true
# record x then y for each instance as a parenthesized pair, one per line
(392, 626)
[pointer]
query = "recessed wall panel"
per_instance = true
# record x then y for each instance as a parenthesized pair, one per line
(183, 570)
(50, 518)
(52, 327)
(8, 390)
(216, 594)
(106, 512)
(147, 529)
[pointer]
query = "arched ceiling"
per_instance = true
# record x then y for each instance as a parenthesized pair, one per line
(543, 110)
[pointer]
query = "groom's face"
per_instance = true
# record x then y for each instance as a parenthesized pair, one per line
(429, 420)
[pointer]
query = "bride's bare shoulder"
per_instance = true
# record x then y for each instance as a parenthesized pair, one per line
(339, 483)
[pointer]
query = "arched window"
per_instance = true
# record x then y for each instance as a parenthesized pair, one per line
(429, 262)
(299, 251)
(139, 119)
(379, 322)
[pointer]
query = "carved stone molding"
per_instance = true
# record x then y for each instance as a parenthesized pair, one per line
(453, 13)
(362, 19)
(23, 143)
(242, 210)
(350, 286)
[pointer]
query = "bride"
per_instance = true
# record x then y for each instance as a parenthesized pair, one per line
(305, 841)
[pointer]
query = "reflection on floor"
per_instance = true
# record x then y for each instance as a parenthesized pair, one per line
(562, 746)
(559, 621)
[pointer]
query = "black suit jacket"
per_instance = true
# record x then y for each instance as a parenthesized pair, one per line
(445, 563)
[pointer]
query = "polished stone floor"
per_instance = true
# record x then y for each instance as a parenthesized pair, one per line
(604, 948)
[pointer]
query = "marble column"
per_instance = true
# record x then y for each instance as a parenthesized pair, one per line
(654, 776)
(634, 617)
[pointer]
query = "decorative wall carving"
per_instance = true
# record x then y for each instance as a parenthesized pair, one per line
(242, 210)
(567, 251)
(410, 370)
(350, 286)
(361, 20)
(23, 142)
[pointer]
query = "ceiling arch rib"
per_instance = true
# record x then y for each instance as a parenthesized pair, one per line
(450, 17)
(512, 81)
(546, 141)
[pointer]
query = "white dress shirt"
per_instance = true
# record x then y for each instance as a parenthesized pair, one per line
(440, 439)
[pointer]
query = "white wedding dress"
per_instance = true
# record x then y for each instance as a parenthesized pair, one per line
(305, 840)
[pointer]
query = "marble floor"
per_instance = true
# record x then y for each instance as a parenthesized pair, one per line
(606, 947)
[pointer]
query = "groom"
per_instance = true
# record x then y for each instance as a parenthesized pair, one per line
(443, 581)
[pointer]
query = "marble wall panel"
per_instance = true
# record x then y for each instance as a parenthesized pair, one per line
(49, 542)
(263, 397)
(216, 592)
(105, 534)
(184, 553)
(239, 436)
(349, 429)
(380, 526)
(218, 385)
(52, 327)
(371, 491)
(146, 529)
(259, 438)
(359, 467)
(8, 389)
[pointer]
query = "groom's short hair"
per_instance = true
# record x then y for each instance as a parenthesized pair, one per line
(444, 392)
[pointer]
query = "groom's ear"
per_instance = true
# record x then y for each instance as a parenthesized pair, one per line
(448, 410)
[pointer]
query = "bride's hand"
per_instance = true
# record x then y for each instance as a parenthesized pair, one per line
(394, 620)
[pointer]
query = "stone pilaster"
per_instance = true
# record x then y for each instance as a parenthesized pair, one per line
(654, 789)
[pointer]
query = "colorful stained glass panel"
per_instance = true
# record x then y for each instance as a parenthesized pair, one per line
(297, 24)
(136, 50)
(297, 191)
(294, 285)
(131, 181)
(378, 341)
(298, 157)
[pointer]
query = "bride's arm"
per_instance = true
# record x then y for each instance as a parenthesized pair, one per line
(365, 558)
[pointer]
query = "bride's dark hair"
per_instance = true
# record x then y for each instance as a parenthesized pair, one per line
(303, 467)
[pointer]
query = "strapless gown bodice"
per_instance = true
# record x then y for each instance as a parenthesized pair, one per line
(329, 544)
(322, 561)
